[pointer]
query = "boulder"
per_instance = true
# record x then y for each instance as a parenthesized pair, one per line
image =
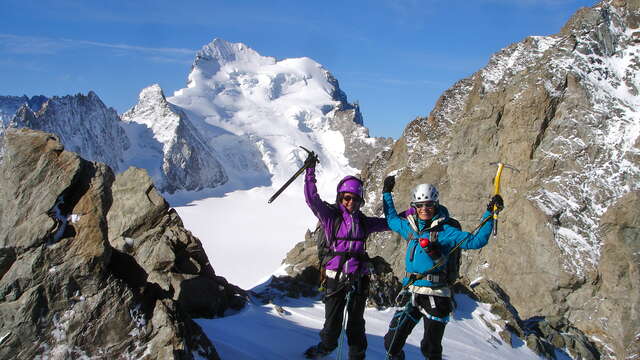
(94, 265)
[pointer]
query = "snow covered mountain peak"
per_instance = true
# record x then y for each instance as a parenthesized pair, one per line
(237, 96)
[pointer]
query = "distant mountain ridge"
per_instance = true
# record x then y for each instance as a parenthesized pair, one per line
(240, 122)
(84, 123)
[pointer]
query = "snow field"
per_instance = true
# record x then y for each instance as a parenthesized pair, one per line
(261, 332)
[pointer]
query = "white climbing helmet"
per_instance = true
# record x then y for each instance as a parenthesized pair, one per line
(425, 192)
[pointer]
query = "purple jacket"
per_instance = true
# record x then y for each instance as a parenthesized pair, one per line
(350, 223)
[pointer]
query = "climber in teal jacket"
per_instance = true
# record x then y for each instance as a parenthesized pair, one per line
(431, 236)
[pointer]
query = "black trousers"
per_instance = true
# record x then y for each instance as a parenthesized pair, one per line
(406, 319)
(335, 301)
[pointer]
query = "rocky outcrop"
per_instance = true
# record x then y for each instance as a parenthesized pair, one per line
(94, 265)
(555, 107)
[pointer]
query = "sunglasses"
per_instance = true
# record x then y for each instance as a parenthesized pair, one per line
(348, 198)
(428, 204)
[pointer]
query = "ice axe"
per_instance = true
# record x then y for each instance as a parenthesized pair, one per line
(496, 191)
(293, 177)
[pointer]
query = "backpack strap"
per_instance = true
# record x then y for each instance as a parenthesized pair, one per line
(433, 236)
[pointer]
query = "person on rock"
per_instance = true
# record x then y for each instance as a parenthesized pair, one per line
(347, 269)
(431, 237)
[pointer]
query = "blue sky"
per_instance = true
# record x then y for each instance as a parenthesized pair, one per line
(394, 57)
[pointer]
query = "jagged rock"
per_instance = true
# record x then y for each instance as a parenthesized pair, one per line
(556, 332)
(550, 106)
(65, 291)
(545, 336)
(347, 119)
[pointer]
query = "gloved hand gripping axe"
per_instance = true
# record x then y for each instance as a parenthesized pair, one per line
(300, 171)
(496, 191)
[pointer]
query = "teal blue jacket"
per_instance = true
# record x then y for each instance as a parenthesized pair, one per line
(417, 260)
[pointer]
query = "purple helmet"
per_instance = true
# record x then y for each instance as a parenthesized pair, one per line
(353, 185)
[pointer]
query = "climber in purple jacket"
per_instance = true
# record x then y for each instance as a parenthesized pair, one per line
(347, 262)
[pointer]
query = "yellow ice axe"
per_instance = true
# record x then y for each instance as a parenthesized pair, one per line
(496, 191)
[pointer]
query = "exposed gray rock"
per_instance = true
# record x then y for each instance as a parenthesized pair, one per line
(66, 291)
(359, 146)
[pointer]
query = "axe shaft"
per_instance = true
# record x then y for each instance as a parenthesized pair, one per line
(300, 171)
(496, 191)
(286, 184)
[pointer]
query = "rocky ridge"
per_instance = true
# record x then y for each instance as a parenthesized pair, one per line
(96, 265)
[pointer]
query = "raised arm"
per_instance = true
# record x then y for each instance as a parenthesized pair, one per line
(470, 240)
(320, 208)
(395, 222)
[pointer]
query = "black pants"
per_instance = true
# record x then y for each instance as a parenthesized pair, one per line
(406, 319)
(335, 302)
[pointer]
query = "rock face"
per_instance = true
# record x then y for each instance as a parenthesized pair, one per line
(187, 162)
(93, 265)
(563, 109)
(619, 282)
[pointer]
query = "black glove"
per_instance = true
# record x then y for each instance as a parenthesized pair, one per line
(311, 161)
(497, 201)
(389, 183)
